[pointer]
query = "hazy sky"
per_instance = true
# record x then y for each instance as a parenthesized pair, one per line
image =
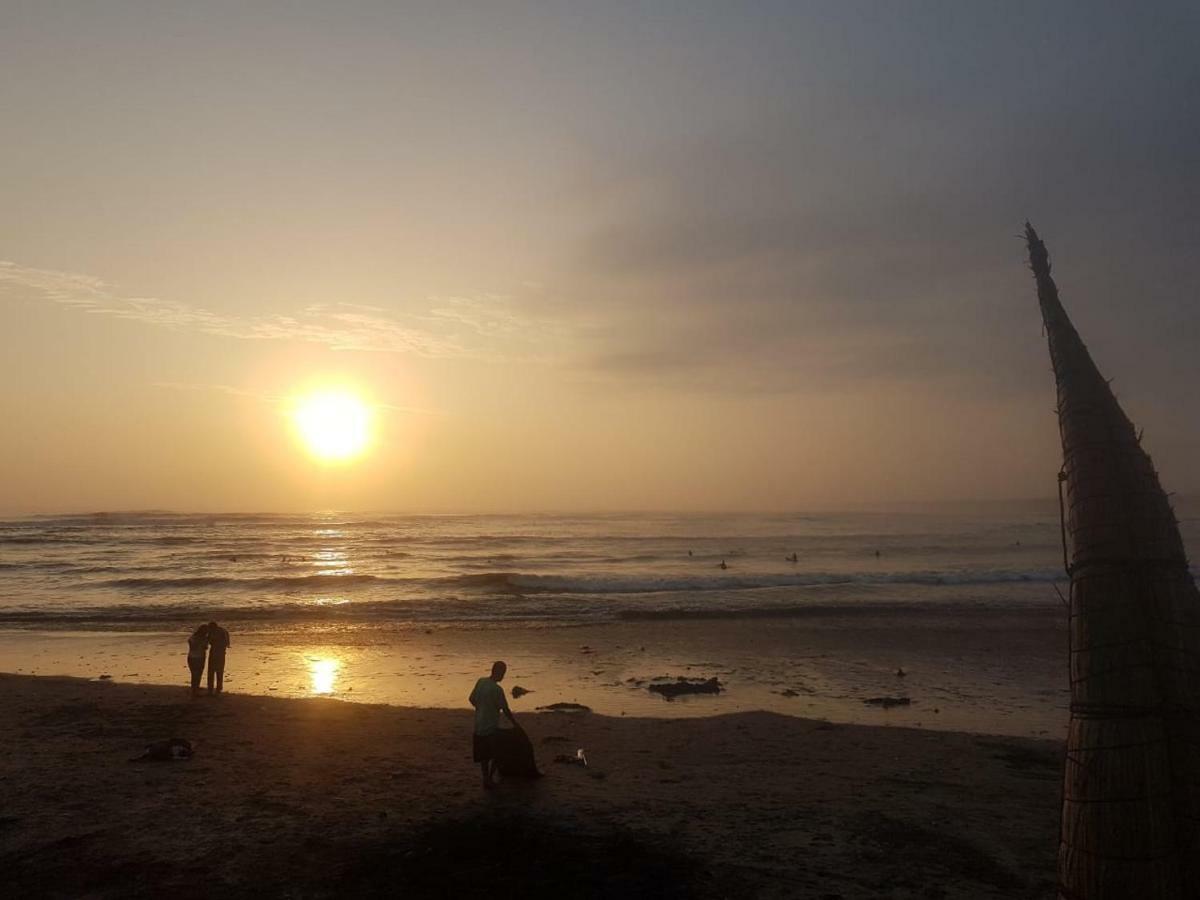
(586, 255)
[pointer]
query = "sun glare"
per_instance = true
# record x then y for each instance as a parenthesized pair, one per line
(323, 673)
(334, 425)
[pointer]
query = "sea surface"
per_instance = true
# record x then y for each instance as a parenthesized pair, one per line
(956, 609)
(149, 570)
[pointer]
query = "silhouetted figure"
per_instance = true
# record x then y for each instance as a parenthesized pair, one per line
(197, 648)
(218, 643)
(877, 554)
(722, 566)
(793, 558)
(689, 553)
(489, 701)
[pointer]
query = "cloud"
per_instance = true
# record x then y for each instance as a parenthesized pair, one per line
(277, 399)
(861, 241)
(220, 389)
(481, 327)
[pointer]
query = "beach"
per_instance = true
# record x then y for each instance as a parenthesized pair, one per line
(887, 721)
(980, 670)
(316, 797)
(698, 370)
(813, 615)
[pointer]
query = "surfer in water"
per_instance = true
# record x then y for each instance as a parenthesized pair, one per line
(722, 565)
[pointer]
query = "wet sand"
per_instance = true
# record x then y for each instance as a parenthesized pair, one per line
(986, 671)
(316, 797)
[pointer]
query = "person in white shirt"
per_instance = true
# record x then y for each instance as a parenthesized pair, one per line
(489, 701)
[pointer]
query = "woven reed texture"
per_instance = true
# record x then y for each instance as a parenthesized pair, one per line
(1130, 823)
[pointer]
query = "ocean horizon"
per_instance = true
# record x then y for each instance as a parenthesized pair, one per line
(148, 569)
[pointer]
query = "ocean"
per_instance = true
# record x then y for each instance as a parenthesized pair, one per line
(812, 615)
(150, 569)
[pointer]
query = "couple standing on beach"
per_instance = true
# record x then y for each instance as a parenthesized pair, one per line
(213, 640)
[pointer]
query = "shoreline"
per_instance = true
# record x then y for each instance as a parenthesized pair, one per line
(989, 672)
(302, 792)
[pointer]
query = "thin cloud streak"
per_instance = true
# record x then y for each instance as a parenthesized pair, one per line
(456, 327)
(277, 399)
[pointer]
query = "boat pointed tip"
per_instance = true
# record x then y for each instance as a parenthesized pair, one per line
(1039, 258)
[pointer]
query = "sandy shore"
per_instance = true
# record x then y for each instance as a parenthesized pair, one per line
(317, 797)
(985, 671)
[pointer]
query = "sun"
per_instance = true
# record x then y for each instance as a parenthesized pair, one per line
(333, 425)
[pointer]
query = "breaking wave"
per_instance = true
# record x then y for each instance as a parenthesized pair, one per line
(529, 583)
(284, 583)
(517, 582)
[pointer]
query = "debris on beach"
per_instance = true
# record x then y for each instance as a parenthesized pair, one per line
(579, 759)
(165, 751)
(565, 707)
(519, 692)
(888, 702)
(673, 689)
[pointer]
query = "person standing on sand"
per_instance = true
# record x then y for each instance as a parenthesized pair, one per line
(489, 701)
(197, 647)
(218, 643)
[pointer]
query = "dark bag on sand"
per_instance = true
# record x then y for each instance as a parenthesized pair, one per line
(514, 754)
(163, 751)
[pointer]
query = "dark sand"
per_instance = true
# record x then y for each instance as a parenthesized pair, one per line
(319, 797)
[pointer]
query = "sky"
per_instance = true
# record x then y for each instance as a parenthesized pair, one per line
(585, 257)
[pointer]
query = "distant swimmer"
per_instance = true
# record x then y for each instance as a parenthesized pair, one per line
(689, 553)
(723, 566)
(877, 554)
(792, 558)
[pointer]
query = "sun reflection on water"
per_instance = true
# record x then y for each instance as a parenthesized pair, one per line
(323, 673)
(332, 562)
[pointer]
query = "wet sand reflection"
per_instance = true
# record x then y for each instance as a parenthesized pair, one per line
(323, 673)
